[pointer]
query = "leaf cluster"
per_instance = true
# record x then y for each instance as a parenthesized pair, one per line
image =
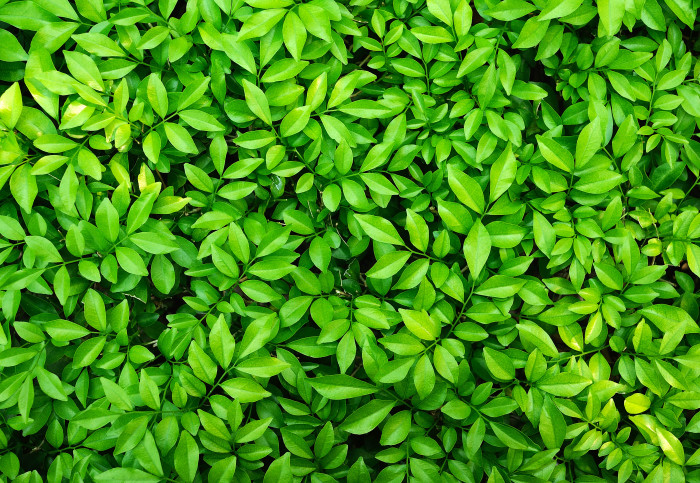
(349, 241)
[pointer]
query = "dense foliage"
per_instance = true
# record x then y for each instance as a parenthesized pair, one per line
(361, 241)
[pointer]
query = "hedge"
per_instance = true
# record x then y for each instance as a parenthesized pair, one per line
(349, 241)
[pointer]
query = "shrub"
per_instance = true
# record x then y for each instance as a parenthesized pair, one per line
(353, 241)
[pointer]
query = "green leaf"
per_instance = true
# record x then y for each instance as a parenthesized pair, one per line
(154, 242)
(51, 385)
(258, 333)
(153, 37)
(202, 365)
(421, 324)
(537, 336)
(396, 428)
(599, 182)
(162, 274)
(222, 343)
(510, 436)
(262, 366)
(609, 275)
(87, 352)
(11, 106)
(99, 44)
(84, 69)
(588, 143)
(11, 228)
(545, 236)
(666, 317)
(24, 188)
(252, 430)
(238, 51)
(565, 384)
(107, 220)
(472, 61)
(366, 418)
(555, 154)
(65, 330)
(131, 262)
(511, 10)
(186, 457)
(477, 247)
(279, 470)
(424, 376)
(379, 229)
(325, 440)
(499, 364)
(260, 23)
(389, 265)
(466, 189)
(441, 9)
(341, 386)
(43, 248)
(294, 34)
(671, 446)
(95, 313)
(417, 230)
(116, 395)
(198, 178)
(532, 33)
(316, 21)
(611, 13)
(432, 34)
(223, 470)
(126, 475)
(13, 51)
(683, 10)
(149, 392)
(180, 138)
(244, 390)
(558, 9)
(201, 120)
(257, 101)
(502, 173)
(552, 425)
(193, 93)
(295, 121)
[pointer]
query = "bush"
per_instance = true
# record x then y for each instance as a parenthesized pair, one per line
(349, 241)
